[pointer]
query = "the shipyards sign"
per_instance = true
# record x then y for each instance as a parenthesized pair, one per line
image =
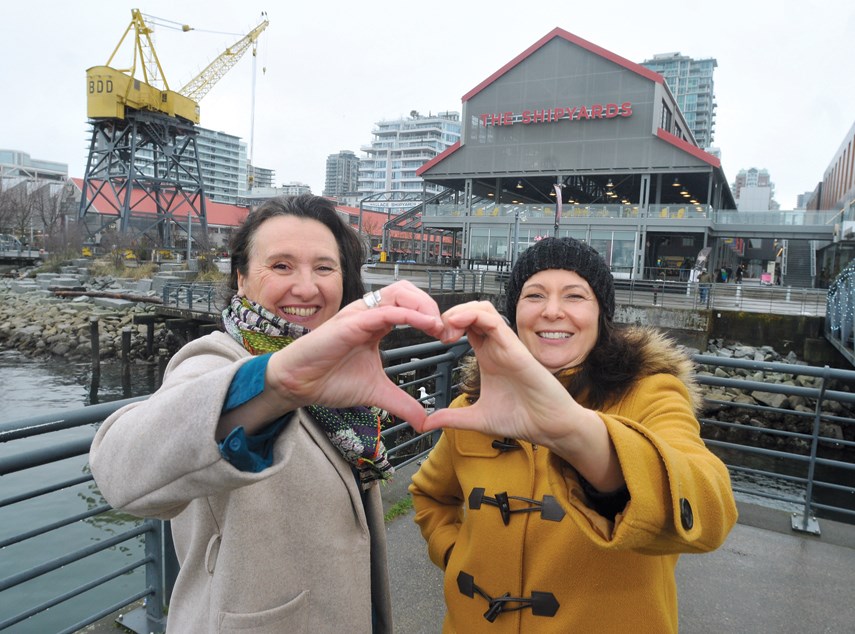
(553, 115)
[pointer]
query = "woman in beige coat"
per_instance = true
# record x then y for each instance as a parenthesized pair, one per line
(258, 446)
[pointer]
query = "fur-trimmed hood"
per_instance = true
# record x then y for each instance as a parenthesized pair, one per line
(662, 355)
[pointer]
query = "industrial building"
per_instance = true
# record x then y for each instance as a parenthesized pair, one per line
(571, 139)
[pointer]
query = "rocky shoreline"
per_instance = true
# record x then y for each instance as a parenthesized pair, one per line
(38, 323)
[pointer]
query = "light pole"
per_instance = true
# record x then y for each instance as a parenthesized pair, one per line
(559, 200)
(515, 245)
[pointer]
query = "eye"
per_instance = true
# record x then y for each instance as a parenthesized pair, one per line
(533, 295)
(575, 297)
(282, 266)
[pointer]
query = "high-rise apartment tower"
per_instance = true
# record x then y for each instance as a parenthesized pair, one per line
(402, 146)
(691, 83)
(342, 174)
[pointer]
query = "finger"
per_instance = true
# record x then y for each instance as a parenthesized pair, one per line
(407, 295)
(455, 417)
(396, 401)
(382, 318)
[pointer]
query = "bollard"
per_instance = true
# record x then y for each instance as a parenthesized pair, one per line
(96, 347)
(739, 295)
(396, 271)
(789, 292)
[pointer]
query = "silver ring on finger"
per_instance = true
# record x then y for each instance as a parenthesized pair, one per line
(372, 299)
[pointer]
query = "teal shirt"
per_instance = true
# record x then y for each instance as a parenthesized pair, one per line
(250, 453)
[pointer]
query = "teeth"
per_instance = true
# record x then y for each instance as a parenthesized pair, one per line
(554, 335)
(299, 312)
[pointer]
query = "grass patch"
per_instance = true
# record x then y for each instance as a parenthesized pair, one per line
(399, 508)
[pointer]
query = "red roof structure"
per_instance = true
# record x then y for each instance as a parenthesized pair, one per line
(218, 214)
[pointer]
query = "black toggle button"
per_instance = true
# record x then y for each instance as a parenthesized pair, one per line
(549, 508)
(544, 604)
(541, 603)
(508, 444)
(687, 517)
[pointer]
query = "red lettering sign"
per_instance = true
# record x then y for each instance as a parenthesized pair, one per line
(559, 113)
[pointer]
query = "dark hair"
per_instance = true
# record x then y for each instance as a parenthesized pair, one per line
(350, 248)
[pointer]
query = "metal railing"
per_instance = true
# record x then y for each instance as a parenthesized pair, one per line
(749, 297)
(199, 296)
(791, 431)
(801, 440)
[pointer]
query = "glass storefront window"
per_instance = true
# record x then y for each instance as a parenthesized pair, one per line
(616, 247)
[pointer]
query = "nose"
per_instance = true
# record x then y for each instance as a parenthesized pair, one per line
(304, 286)
(552, 308)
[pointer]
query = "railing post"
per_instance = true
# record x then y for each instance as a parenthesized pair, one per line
(155, 603)
(151, 618)
(444, 382)
(807, 523)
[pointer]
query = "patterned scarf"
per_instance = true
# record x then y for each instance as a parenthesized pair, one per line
(354, 431)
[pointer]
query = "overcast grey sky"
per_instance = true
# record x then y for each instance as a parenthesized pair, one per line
(333, 68)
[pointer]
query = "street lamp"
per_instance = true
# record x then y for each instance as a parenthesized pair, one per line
(515, 246)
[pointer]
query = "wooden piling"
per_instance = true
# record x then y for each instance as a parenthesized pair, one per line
(96, 347)
(126, 354)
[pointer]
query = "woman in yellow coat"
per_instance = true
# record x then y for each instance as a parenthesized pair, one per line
(571, 473)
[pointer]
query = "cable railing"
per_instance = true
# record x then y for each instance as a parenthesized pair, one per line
(785, 431)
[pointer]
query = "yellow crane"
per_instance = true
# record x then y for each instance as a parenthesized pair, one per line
(110, 91)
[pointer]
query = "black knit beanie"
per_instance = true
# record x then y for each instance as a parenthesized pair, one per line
(568, 254)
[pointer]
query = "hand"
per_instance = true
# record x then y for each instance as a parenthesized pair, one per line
(519, 397)
(338, 364)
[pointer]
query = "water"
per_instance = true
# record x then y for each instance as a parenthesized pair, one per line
(29, 388)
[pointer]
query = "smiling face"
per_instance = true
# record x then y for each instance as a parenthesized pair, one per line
(557, 318)
(294, 270)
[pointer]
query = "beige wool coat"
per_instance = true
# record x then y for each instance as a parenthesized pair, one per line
(290, 549)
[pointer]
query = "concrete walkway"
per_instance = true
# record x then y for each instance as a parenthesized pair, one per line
(766, 578)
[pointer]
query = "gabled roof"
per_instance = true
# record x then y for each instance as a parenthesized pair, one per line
(687, 147)
(451, 149)
(220, 214)
(574, 39)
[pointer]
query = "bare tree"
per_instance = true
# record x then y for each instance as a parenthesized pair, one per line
(18, 211)
(45, 202)
(372, 227)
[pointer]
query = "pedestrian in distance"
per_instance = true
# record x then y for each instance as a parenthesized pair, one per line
(704, 283)
(260, 447)
(570, 474)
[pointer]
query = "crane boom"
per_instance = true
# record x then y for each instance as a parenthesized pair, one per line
(199, 86)
(110, 91)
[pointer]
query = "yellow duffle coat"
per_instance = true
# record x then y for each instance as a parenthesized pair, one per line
(586, 572)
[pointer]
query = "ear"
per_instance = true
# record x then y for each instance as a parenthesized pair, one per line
(240, 284)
